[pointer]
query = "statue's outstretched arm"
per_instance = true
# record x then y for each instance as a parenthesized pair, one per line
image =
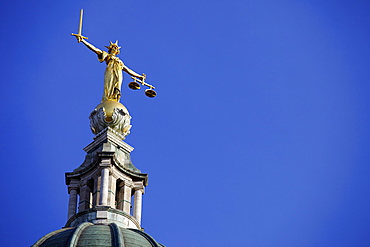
(91, 47)
(80, 38)
(133, 73)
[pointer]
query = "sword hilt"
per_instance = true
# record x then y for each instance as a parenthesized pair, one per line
(79, 35)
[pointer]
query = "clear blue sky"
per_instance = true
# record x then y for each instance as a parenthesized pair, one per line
(259, 135)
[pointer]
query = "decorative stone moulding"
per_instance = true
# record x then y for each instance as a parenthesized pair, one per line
(110, 114)
(104, 215)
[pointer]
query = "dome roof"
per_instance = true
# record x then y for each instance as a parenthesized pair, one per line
(88, 234)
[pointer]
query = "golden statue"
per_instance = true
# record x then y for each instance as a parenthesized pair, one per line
(113, 73)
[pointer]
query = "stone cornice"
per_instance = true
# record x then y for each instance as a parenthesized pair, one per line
(82, 172)
(110, 135)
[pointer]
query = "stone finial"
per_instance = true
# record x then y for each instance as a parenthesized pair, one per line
(110, 114)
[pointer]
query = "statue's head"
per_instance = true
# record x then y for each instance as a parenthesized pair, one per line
(113, 48)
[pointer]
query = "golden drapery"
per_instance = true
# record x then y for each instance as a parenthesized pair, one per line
(112, 77)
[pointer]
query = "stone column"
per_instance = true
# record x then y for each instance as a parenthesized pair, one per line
(85, 194)
(72, 205)
(112, 191)
(119, 190)
(103, 200)
(139, 190)
(96, 192)
(127, 197)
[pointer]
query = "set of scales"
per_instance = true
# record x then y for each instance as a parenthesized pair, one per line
(138, 79)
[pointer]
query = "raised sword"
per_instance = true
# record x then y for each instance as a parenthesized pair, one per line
(80, 27)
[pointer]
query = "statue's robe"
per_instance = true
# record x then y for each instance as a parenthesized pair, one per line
(112, 77)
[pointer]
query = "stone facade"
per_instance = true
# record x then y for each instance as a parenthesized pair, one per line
(102, 188)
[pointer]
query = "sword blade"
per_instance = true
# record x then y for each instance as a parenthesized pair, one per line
(80, 26)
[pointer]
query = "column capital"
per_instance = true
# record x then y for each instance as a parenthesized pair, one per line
(129, 184)
(139, 186)
(74, 185)
(105, 162)
(70, 188)
(126, 183)
(74, 182)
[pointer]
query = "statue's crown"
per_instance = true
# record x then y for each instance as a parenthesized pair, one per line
(113, 45)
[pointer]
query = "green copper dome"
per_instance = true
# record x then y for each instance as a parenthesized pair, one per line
(88, 234)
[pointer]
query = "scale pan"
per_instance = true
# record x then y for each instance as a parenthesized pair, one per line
(150, 93)
(134, 85)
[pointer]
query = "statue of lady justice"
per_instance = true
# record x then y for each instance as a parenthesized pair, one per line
(113, 73)
(111, 113)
